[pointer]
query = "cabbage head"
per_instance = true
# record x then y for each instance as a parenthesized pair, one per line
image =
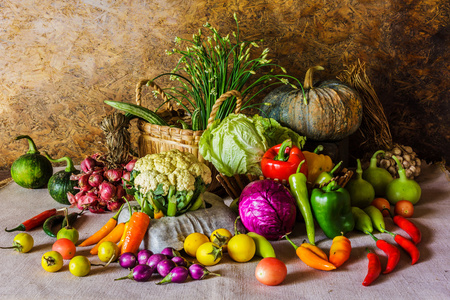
(234, 145)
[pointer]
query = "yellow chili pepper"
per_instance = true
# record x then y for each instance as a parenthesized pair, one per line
(340, 250)
(317, 163)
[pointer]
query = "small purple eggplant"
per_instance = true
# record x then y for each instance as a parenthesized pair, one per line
(198, 272)
(128, 260)
(139, 273)
(143, 256)
(170, 252)
(180, 261)
(165, 266)
(176, 275)
(155, 259)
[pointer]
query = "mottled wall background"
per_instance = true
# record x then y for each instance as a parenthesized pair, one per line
(60, 59)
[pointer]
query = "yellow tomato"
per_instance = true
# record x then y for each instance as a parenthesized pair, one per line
(209, 254)
(241, 248)
(108, 251)
(80, 266)
(52, 261)
(221, 237)
(193, 241)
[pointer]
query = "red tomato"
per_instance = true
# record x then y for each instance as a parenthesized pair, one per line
(404, 208)
(271, 271)
(65, 247)
(381, 204)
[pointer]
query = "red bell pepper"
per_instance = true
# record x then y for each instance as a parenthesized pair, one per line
(281, 161)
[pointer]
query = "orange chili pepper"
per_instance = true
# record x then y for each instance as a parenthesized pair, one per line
(309, 256)
(102, 232)
(137, 227)
(122, 238)
(340, 250)
(319, 252)
(114, 236)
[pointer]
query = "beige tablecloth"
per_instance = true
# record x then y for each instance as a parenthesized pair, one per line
(22, 276)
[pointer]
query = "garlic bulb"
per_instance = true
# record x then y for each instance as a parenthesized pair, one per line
(406, 155)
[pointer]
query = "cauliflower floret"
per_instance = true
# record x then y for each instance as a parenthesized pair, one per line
(182, 180)
(145, 181)
(200, 169)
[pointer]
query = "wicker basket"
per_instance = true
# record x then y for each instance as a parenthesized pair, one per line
(156, 138)
(235, 184)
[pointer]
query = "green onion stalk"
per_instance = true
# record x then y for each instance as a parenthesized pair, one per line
(213, 65)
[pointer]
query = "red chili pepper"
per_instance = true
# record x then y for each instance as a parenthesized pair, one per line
(374, 268)
(35, 221)
(409, 227)
(281, 161)
(392, 252)
(407, 245)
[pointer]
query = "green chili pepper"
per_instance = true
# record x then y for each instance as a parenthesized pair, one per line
(376, 216)
(362, 220)
(331, 206)
(325, 177)
(71, 218)
(50, 222)
(298, 187)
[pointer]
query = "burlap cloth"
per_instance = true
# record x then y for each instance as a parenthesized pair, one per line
(22, 276)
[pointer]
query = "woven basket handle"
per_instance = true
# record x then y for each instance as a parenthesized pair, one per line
(155, 87)
(220, 100)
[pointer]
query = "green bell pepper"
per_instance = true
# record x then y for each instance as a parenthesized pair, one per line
(332, 209)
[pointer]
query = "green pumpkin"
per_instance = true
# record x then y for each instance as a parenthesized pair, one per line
(328, 111)
(60, 183)
(31, 170)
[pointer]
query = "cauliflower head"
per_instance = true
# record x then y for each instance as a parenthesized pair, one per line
(171, 168)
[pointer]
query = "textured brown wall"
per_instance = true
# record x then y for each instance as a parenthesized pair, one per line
(60, 59)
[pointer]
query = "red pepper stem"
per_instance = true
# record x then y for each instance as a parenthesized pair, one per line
(374, 237)
(391, 233)
(300, 166)
(292, 243)
(281, 156)
(388, 210)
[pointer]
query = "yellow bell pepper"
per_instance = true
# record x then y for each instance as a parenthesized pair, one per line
(317, 163)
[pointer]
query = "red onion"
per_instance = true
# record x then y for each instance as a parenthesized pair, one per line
(130, 165)
(107, 191)
(95, 179)
(113, 175)
(83, 183)
(88, 164)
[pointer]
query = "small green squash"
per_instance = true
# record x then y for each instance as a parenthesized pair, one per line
(31, 170)
(60, 183)
(327, 111)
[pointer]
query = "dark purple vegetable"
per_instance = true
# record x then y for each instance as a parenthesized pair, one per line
(139, 273)
(176, 275)
(267, 208)
(180, 261)
(198, 272)
(128, 260)
(165, 266)
(170, 252)
(143, 256)
(155, 259)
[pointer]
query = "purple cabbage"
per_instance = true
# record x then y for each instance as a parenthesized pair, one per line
(267, 208)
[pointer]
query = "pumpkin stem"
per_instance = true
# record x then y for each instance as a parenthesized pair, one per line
(32, 145)
(309, 76)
